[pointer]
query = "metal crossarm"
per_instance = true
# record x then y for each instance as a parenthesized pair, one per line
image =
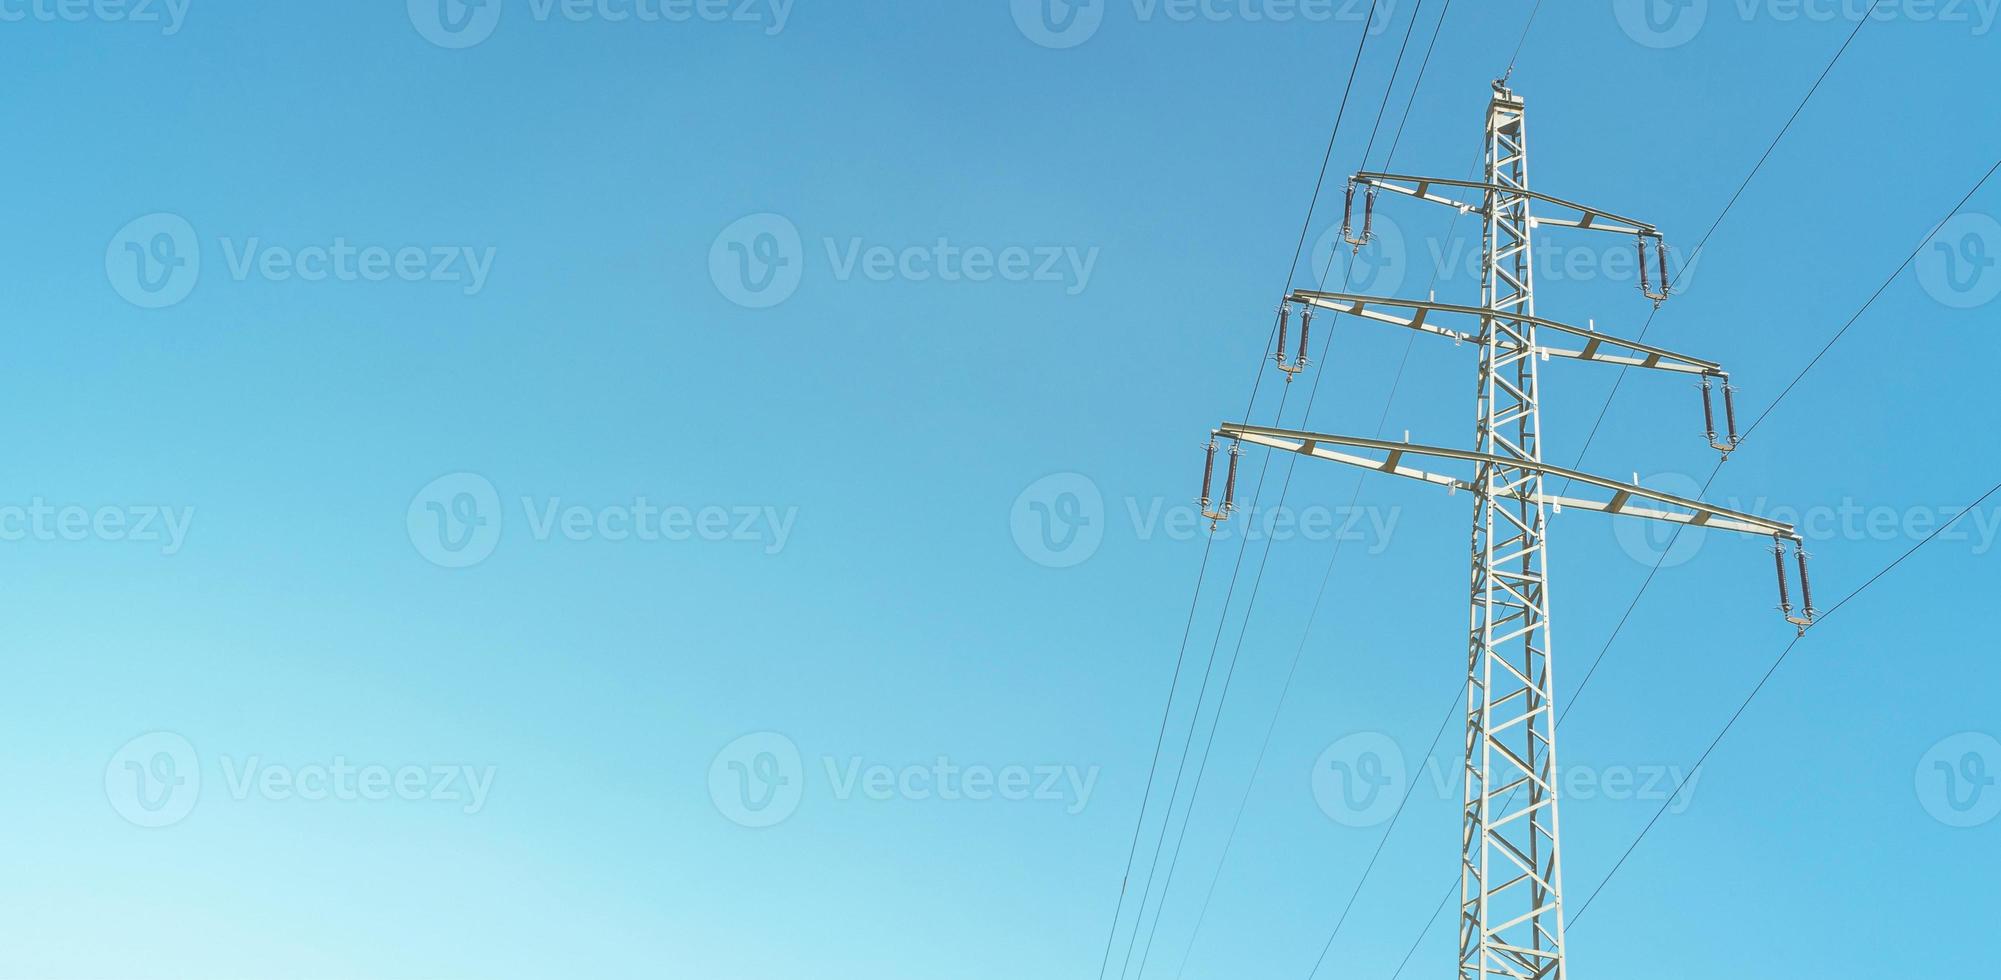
(1598, 347)
(1585, 217)
(1622, 499)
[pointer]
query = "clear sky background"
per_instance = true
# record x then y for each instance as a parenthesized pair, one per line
(852, 550)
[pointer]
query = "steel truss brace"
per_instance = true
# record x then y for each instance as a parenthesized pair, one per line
(1626, 353)
(1625, 499)
(1588, 218)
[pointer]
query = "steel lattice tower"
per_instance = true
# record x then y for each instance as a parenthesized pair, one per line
(1511, 871)
(1511, 881)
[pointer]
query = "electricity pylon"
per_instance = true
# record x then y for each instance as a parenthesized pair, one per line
(1511, 870)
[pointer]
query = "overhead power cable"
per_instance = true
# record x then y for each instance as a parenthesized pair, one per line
(1139, 824)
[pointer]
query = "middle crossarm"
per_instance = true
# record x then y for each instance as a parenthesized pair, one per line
(1598, 347)
(1584, 217)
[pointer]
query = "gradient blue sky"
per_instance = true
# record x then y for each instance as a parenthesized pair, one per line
(895, 425)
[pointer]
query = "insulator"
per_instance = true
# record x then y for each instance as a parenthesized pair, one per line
(1708, 411)
(1208, 473)
(1368, 218)
(1284, 323)
(1230, 483)
(1730, 411)
(1646, 284)
(1305, 328)
(1779, 561)
(1806, 585)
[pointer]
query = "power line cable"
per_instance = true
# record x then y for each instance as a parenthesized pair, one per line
(1139, 825)
(1620, 379)
(1236, 822)
(1760, 686)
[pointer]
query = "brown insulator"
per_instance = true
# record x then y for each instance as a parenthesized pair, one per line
(1708, 411)
(1284, 323)
(1806, 586)
(1779, 561)
(1208, 473)
(1230, 484)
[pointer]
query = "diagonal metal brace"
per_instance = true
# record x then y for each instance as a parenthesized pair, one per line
(1623, 499)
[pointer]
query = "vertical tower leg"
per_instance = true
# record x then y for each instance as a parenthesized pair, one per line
(1511, 882)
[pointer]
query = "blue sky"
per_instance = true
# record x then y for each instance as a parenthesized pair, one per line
(647, 489)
